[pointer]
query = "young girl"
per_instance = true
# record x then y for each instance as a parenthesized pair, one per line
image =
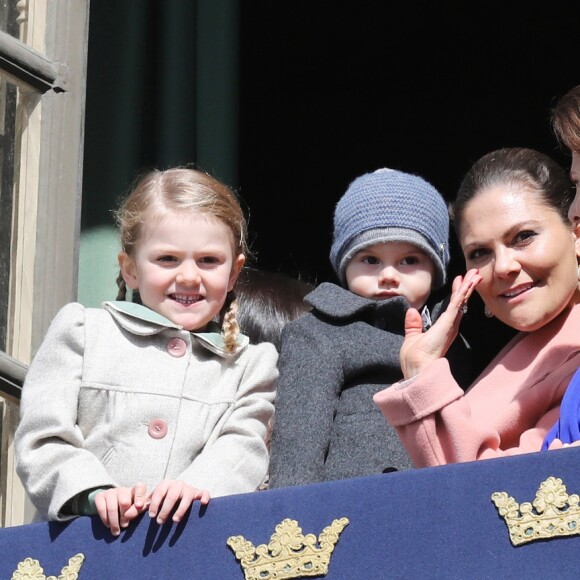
(149, 407)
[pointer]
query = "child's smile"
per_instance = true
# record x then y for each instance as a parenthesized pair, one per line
(186, 300)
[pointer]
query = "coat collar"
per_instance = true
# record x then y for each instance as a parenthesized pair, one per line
(143, 321)
(340, 304)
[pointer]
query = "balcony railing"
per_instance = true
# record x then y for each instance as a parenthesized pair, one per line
(432, 523)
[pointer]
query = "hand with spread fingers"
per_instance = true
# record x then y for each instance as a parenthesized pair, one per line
(420, 348)
(174, 494)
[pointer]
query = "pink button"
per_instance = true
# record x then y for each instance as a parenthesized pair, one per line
(157, 428)
(176, 347)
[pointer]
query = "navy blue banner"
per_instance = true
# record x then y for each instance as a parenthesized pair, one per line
(437, 522)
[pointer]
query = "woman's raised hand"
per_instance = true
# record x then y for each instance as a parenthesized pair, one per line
(420, 348)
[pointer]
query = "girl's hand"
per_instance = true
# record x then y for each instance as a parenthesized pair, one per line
(420, 348)
(118, 506)
(170, 493)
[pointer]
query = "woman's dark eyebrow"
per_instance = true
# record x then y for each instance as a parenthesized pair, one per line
(511, 231)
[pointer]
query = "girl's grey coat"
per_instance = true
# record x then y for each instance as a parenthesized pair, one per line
(332, 361)
(103, 377)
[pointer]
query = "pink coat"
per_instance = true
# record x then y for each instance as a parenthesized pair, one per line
(507, 411)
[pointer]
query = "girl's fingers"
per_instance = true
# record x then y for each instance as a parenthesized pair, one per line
(176, 495)
(113, 515)
(184, 505)
(101, 505)
(177, 492)
(189, 496)
(118, 506)
(139, 495)
(163, 500)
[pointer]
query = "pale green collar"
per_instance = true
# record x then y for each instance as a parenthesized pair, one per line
(143, 321)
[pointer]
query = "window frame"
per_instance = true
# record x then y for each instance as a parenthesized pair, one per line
(48, 64)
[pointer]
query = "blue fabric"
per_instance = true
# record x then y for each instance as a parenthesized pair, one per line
(567, 427)
(436, 523)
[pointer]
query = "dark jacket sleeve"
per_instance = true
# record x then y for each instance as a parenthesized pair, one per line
(307, 396)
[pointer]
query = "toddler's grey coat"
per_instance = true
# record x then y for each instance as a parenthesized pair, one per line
(332, 361)
(120, 395)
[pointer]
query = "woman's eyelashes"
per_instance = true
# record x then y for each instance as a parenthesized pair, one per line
(524, 238)
(520, 240)
(477, 255)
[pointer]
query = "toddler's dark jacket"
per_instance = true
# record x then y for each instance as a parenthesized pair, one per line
(332, 361)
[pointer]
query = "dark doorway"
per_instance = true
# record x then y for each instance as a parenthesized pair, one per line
(329, 93)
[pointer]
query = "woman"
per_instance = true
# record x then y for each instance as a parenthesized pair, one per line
(510, 216)
(566, 123)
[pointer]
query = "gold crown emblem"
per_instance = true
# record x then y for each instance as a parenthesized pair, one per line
(289, 554)
(30, 569)
(553, 513)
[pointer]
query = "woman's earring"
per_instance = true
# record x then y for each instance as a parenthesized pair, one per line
(487, 312)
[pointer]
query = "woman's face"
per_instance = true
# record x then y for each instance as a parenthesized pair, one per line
(526, 253)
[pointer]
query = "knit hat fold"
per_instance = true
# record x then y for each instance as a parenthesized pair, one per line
(391, 206)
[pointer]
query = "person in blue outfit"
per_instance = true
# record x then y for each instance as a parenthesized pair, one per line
(390, 249)
(566, 124)
(566, 430)
(151, 405)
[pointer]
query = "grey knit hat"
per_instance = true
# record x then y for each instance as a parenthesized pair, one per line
(386, 206)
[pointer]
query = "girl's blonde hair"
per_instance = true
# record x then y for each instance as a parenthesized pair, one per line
(181, 189)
